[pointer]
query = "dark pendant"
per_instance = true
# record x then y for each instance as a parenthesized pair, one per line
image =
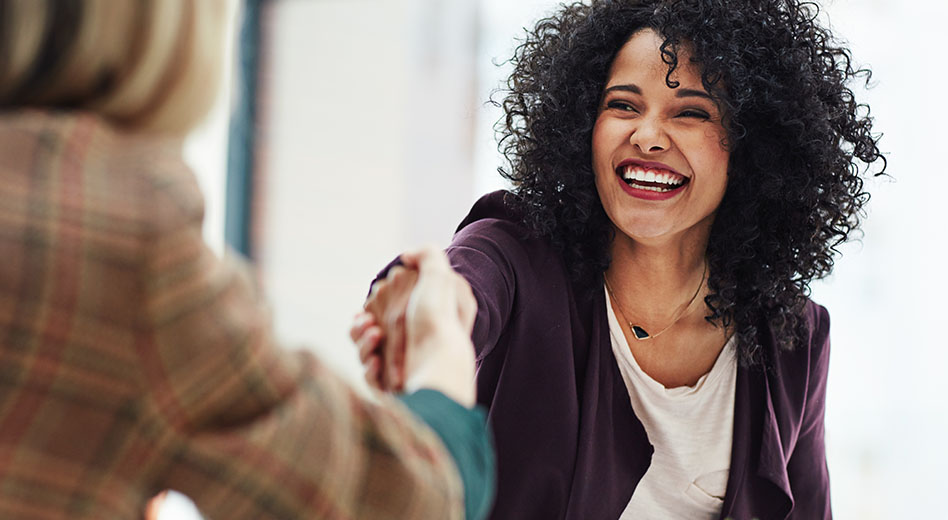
(639, 332)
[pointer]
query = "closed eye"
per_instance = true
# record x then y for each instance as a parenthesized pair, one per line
(621, 105)
(698, 114)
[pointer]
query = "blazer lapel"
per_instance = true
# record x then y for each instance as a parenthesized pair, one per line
(758, 486)
(737, 502)
(773, 461)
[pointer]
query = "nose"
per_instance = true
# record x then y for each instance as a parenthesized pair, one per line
(649, 136)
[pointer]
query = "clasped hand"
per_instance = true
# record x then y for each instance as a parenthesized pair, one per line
(416, 326)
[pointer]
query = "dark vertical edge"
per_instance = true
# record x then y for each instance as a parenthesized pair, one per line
(240, 146)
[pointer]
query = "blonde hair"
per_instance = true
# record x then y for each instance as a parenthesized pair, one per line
(151, 65)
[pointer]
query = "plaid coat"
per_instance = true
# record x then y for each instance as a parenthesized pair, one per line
(132, 359)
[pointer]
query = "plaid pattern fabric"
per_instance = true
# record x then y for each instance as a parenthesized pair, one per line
(132, 359)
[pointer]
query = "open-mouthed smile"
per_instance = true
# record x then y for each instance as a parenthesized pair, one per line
(650, 181)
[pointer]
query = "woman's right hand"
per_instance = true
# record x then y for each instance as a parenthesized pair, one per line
(416, 332)
(379, 331)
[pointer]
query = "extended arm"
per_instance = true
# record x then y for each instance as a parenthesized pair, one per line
(248, 431)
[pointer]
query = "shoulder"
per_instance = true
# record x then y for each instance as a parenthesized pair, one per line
(123, 181)
(119, 194)
(158, 180)
(491, 220)
(492, 229)
(818, 322)
(807, 364)
(818, 347)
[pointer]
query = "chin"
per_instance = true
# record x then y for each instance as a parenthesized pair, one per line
(643, 232)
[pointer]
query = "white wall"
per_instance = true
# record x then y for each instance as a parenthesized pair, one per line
(369, 124)
(887, 402)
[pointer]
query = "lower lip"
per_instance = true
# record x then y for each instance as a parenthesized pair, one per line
(649, 194)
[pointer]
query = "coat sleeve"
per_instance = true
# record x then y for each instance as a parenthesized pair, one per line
(484, 254)
(807, 469)
(250, 431)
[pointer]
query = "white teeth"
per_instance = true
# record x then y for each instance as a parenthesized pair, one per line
(652, 188)
(632, 173)
(637, 173)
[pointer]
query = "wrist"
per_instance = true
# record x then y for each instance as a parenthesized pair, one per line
(444, 362)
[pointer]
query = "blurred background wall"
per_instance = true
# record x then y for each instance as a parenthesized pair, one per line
(369, 122)
(375, 136)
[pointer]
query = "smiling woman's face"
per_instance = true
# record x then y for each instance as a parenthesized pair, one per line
(658, 152)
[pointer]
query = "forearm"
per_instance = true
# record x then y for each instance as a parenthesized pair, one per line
(447, 370)
(315, 448)
(466, 436)
(250, 431)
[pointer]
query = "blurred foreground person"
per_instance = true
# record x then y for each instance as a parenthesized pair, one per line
(133, 359)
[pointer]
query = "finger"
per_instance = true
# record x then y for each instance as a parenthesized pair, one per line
(394, 354)
(390, 375)
(402, 367)
(388, 290)
(409, 259)
(369, 342)
(360, 322)
(371, 373)
(375, 287)
(398, 362)
(396, 272)
(384, 285)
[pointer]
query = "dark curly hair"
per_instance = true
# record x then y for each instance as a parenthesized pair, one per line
(799, 144)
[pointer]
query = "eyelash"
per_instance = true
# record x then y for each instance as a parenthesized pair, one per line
(627, 107)
(621, 105)
(694, 113)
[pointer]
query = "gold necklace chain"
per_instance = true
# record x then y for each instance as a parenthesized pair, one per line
(638, 332)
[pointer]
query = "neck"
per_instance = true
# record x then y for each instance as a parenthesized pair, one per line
(653, 281)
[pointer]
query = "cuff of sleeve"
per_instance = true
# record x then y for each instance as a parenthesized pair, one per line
(465, 434)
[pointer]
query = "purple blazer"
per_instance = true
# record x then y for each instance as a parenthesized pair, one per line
(568, 442)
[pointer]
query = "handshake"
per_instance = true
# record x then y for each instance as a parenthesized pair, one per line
(415, 331)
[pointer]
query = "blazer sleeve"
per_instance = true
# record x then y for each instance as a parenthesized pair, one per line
(807, 469)
(250, 431)
(485, 254)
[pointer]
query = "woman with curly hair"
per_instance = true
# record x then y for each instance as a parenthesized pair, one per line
(682, 170)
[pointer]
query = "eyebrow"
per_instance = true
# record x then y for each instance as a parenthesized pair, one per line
(690, 92)
(680, 93)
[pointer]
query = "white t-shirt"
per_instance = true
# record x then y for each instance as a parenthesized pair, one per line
(691, 428)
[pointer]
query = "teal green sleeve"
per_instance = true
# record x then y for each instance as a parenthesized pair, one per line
(465, 434)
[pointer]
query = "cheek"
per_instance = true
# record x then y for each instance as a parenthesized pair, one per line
(597, 139)
(603, 145)
(712, 159)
